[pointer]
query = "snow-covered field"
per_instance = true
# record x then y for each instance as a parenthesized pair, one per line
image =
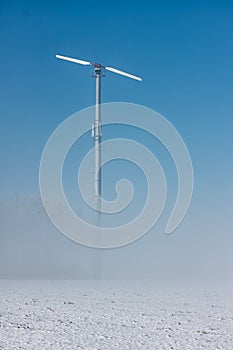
(112, 315)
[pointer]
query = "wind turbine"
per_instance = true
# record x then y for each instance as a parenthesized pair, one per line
(96, 126)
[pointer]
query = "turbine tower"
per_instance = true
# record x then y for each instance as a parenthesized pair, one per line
(96, 126)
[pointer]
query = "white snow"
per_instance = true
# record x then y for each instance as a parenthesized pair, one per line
(109, 315)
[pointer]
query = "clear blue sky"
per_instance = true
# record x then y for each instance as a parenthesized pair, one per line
(182, 49)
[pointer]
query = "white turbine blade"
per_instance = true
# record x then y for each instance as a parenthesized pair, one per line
(114, 70)
(75, 60)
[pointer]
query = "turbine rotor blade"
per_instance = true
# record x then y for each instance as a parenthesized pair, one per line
(114, 70)
(75, 60)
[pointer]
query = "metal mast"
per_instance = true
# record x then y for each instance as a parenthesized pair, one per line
(97, 134)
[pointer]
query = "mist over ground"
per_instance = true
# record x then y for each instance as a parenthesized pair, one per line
(31, 247)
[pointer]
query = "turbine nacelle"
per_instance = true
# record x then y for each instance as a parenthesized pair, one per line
(97, 65)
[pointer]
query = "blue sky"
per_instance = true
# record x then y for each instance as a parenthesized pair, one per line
(183, 50)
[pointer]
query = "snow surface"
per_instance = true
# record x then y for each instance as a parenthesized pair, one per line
(109, 315)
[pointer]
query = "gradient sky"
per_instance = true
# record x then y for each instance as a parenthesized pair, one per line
(183, 50)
